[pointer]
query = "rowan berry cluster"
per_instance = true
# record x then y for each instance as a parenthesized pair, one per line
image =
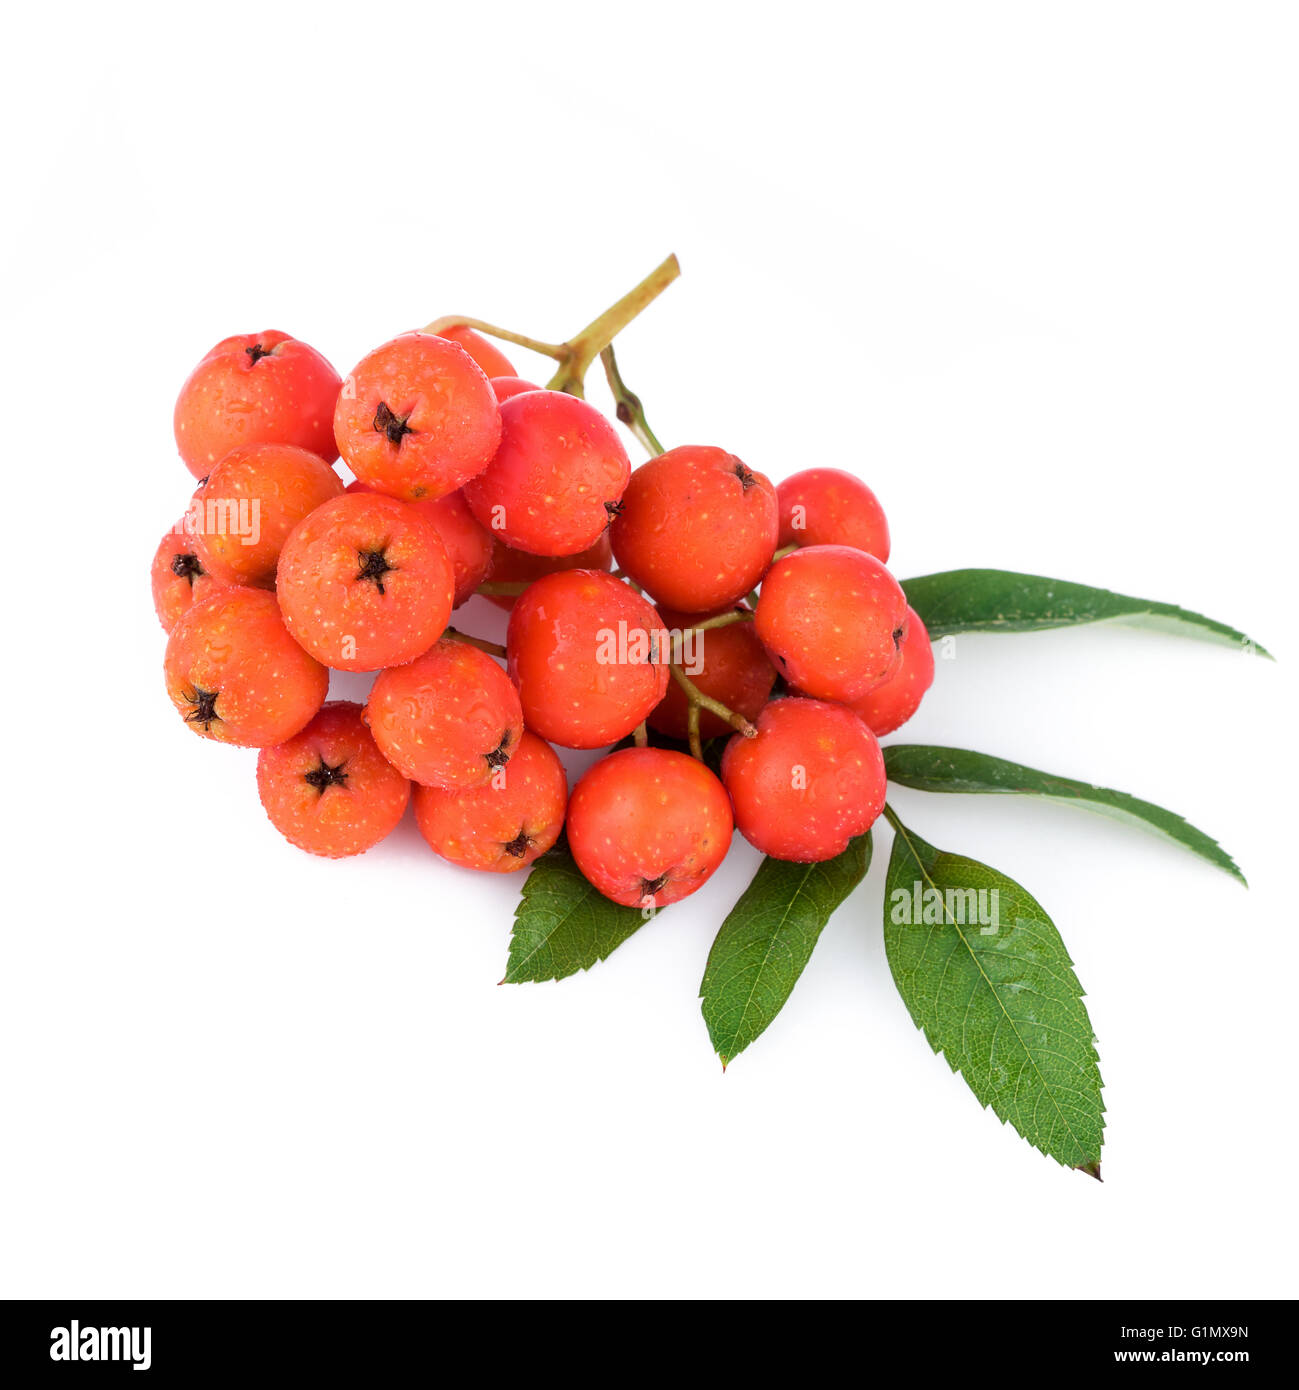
(739, 610)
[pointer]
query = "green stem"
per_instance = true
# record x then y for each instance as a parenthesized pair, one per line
(640, 735)
(483, 645)
(737, 615)
(782, 552)
(699, 700)
(692, 732)
(438, 326)
(580, 351)
(629, 408)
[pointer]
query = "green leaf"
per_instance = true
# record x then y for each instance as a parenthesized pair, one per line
(999, 601)
(999, 1000)
(932, 769)
(562, 924)
(767, 939)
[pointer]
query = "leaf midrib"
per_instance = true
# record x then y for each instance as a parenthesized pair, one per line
(901, 830)
(794, 897)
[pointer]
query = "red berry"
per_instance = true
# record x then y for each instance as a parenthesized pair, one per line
(697, 529)
(588, 656)
(329, 790)
(734, 670)
(256, 388)
(488, 356)
(467, 544)
(557, 477)
(507, 822)
(235, 675)
(825, 506)
(891, 704)
(507, 386)
(833, 620)
(251, 501)
(647, 826)
(365, 582)
(448, 719)
(417, 418)
(811, 780)
(518, 567)
(178, 578)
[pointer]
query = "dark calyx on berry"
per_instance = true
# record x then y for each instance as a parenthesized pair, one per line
(394, 426)
(186, 567)
(898, 634)
(650, 886)
(374, 565)
(324, 776)
(746, 478)
(499, 755)
(615, 509)
(204, 711)
(520, 845)
(257, 352)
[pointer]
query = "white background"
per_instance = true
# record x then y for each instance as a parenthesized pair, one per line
(1029, 269)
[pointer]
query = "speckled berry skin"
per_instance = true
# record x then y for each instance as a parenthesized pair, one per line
(506, 823)
(588, 656)
(417, 417)
(812, 780)
(271, 486)
(826, 506)
(891, 704)
(468, 546)
(832, 619)
(648, 827)
(256, 388)
(487, 355)
(697, 529)
(556, 478)
(518, 567)
(449, 719)
(329, 790)
(736, 671)
(507, 386)
(236, 676)
(365, 582)
(177, 577)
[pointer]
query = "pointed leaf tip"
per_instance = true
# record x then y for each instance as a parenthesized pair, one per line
(767, 939)
(1093, 1170)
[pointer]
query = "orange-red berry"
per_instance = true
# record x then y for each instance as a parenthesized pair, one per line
(507, 386)
(648, 827)
(251, 501)
(505, 823)
(235, 675)
(468, 546)
(178, 578)
(449, 719)
(889, 705)
(365, 582)
(696, 529)
(826, 506)
(557, 477)
(833, 619)
(329, 790)
(589, 657)
(811, 780)
(256, 388)
(417, 417)
(488, 356)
